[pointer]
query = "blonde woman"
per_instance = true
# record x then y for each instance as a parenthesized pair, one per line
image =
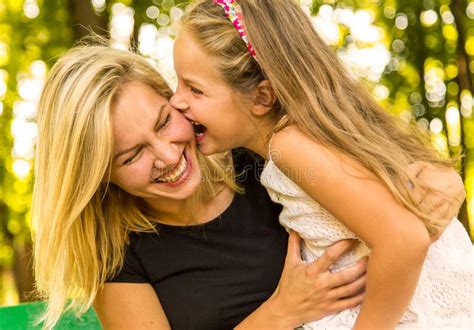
(129, 217)
(335, 159)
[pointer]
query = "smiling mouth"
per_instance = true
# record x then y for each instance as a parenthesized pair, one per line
(175, 174)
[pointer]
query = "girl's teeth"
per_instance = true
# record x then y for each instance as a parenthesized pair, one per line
(176, 173)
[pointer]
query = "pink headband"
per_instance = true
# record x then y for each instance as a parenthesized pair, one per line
(234, 14)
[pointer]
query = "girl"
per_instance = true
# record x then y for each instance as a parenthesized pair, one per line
(267, 82)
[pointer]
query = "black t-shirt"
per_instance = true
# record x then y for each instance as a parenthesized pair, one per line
(212, 276)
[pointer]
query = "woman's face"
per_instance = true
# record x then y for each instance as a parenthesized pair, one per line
(205, 99)
(154, 147)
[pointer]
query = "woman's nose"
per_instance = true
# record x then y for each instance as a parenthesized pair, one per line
(166, 155)
(163, 165)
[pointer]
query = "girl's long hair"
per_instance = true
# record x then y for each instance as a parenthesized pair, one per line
(314, 90)
(80, 221)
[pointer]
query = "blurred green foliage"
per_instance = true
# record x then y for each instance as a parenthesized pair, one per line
(430, 69)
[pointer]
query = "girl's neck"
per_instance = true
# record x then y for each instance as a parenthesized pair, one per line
(260, 141)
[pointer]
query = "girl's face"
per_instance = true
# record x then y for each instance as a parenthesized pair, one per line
(154, 148)
(205, 99)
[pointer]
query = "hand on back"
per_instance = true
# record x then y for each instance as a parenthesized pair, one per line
(309, 291)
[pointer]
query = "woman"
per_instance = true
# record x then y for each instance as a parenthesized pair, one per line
(117, 166)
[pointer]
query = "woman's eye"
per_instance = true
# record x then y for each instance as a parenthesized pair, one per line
(131, 159)
(195, 91)
(166, 122)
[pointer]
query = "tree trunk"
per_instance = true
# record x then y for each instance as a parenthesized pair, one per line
(86, 20)
(23, 271)
(462, 57)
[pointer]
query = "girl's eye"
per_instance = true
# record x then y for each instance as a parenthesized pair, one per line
(195, 90)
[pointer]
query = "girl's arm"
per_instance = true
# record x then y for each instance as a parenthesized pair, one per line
(446, 197)
(398, 239)
(131, 306)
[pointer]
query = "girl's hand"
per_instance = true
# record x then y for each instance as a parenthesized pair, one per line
(444, 206)
(309, 292)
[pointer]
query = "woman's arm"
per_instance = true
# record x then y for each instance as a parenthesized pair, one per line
(306, 292)
(398, 239)
(309, 292)
(131, 306)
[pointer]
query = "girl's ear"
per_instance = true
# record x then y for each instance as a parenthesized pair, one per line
(264, 98)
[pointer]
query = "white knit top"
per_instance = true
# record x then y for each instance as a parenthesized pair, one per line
(444, 295)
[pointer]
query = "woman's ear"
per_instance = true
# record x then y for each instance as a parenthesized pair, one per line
(264, 98)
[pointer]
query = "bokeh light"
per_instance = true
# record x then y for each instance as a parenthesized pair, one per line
(121, 26)
(428, 18)
(470, 10)
(31, 8)
(38, 69)
(436, 126)
(326, 25)
(4, 53)
(3, 89)
(424, 124)
(21, 168)
(163, 19)
(401, 22)
(98, 5)
(152, 12)
(467, 104)
(30, 88)
(453, 125)
(447, 17)
(438, 138)
(434, 82)
(176, 13)
(381, 92)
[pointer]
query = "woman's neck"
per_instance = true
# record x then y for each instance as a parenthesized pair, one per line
(187, 212)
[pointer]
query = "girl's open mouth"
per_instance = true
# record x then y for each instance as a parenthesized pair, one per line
(199, 131)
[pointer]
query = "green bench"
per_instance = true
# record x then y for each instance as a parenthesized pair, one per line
(21, 317)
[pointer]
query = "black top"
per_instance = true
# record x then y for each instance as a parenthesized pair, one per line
(212, 276)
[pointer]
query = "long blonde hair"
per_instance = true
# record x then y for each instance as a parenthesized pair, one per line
(314, 91)
(81, 222)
